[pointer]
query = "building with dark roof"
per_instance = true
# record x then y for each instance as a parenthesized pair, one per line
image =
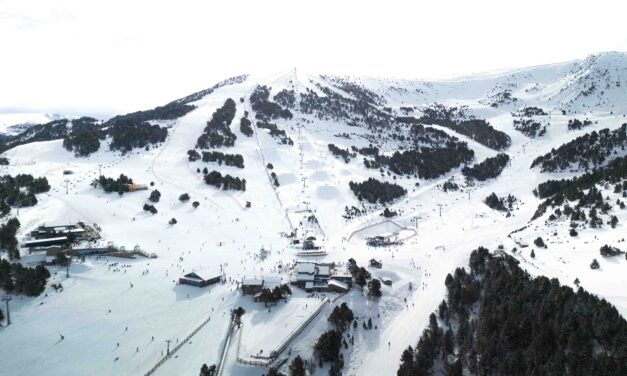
(252, 286)
(199, 279)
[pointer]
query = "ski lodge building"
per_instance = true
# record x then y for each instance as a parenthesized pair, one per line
(320, 277)
(199, 279)
(252, 286)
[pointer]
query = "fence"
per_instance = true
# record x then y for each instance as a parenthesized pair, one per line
(267, 360)
(399, 229)
(177, 347)
(225, 347)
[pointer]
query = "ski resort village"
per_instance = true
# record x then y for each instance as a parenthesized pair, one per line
(312, 224)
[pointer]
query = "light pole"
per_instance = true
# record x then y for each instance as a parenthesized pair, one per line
(168, 342)
(7, 299)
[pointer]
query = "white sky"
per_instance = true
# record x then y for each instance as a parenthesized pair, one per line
(119, 56)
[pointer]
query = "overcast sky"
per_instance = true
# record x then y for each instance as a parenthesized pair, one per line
(114, 56)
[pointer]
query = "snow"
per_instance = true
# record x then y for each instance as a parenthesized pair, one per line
(97, 302)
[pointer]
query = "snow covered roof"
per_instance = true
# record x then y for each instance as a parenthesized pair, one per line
(336, 283)
(342, 275)
(306, 267)
(252, 282)
(204, 276)
(32, 242)
(324, 270)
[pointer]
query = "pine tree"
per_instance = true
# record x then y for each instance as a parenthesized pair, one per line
(374, 287)
(208, 371)
(155, 196)
(297, 367)
(327, 348)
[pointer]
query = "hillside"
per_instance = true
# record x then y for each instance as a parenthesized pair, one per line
(273, 159)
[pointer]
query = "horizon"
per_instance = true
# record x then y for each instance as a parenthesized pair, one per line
(104, 113)
(73, 58)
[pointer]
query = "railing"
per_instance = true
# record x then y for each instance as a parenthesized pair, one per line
(177, 347)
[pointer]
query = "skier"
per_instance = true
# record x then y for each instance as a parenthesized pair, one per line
(62, 337)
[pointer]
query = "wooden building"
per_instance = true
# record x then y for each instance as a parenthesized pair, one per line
(375, 263)
(252, 286)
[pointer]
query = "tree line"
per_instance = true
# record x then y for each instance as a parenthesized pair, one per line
(126, 137)
(342, 153)
(134, 130)
(119, 185)
(218, 133)
(362, 109)
(375, 191)
(575, 124)
(556, 192)
(584, 152)
(285, 98)
(235, 160)
(477, 129)
(504, 204)
(433, 153)
(20, 191)
(8, 240)
(275, 132)
(489, 168)
(225, 182)
(15, 278)
(127, 131)
(264, 108)
(273, 296)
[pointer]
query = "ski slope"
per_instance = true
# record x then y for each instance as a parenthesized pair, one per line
(138, 304)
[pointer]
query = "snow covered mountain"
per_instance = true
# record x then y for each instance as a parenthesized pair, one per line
(15, 123)
(437, 169)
